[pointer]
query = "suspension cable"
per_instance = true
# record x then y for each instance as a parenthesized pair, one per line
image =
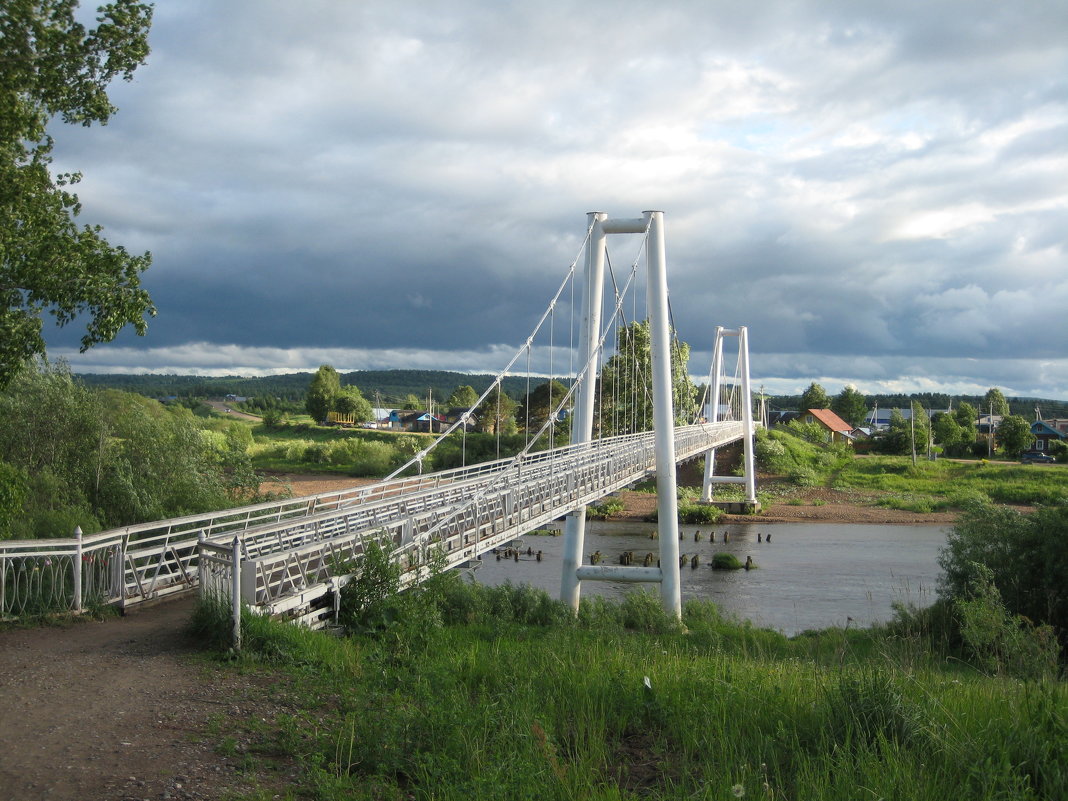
(497, 381)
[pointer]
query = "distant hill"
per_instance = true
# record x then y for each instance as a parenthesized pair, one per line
(392, 386)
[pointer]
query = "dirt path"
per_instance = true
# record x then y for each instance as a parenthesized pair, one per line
(112, 710)
(224, 408)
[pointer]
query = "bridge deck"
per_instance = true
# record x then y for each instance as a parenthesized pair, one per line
(287, 550)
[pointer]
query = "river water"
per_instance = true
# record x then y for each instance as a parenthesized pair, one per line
(808, 576)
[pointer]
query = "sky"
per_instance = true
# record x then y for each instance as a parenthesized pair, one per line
(878, 191)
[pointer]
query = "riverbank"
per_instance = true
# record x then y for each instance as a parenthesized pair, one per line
(804, 505)
(798, 505)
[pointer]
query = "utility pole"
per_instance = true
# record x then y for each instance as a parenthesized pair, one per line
(990, 432)
(912, 419)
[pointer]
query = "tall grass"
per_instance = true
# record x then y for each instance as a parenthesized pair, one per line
(504, 694)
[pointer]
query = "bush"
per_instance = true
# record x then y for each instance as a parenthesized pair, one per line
(725, 561)
(13, 491)
(605, 509)
(368, 600)
(1003, 643)
(1026, 556)
(696, 513)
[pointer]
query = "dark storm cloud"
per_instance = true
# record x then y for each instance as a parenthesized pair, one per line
(876, 190)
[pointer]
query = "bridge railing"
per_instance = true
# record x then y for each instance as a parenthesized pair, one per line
(151, 560)
(285, 566)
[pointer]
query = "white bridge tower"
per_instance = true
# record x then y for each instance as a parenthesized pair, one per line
(668, 574)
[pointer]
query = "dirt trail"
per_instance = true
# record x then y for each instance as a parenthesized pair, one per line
(108, 711)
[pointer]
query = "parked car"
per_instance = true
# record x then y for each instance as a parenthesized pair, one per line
(1036, 457)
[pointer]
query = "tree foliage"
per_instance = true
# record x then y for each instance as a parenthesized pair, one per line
(815, 397)
(51, 65)
(1027, 556)
(322, 392)
(1013, 435)
(904, 435)
(496, 414)
(994, 402)
(95, 459)
(540, 403)
(350, 400)
(849, 404)
(626, 403)
(950, 434)
(463, 397)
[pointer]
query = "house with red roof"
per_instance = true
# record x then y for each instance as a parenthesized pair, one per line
(838, 430)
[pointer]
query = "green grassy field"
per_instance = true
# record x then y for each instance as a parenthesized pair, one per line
(499, 694)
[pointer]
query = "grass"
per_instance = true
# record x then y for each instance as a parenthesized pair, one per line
(894, 482)
(497, 693)
(952, 484)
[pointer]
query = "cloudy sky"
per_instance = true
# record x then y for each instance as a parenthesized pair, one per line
(878, 190)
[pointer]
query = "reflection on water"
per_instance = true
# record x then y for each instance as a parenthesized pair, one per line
(809, 575)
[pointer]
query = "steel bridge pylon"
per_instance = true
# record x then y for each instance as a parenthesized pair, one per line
(749, 477)
(668, 574)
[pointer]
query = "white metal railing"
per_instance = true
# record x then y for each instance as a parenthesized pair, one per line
(291, 544)
(286, 567)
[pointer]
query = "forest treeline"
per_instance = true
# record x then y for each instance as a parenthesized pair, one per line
(392, 386)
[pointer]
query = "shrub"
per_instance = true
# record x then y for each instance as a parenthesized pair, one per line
(725, 561)
(1027, 559)
(1003, 643)
(13, 492)
(695, 513)
(367, 601)
(605, 509)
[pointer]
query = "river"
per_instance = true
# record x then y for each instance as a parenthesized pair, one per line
(807, 576)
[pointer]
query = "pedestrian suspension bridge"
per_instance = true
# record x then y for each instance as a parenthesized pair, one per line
(290, 558)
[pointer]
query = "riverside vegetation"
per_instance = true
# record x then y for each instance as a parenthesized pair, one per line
(456, 691)
(453, 690)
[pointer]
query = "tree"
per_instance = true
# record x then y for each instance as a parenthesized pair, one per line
(850, 405)
(1026, 554)
(994, 402)
(51, 65)
(324, 388)
(414, 402)
(109, 458)
(626, 403)
(463, 397)
(496, 414)
(896, 438)
(967, 416)
(950, 434)
(540, 403)
(1013, 435)
(350, 400)
(815, 397)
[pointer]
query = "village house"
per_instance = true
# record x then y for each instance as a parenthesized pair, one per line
(838, 430)
(1044, 434)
